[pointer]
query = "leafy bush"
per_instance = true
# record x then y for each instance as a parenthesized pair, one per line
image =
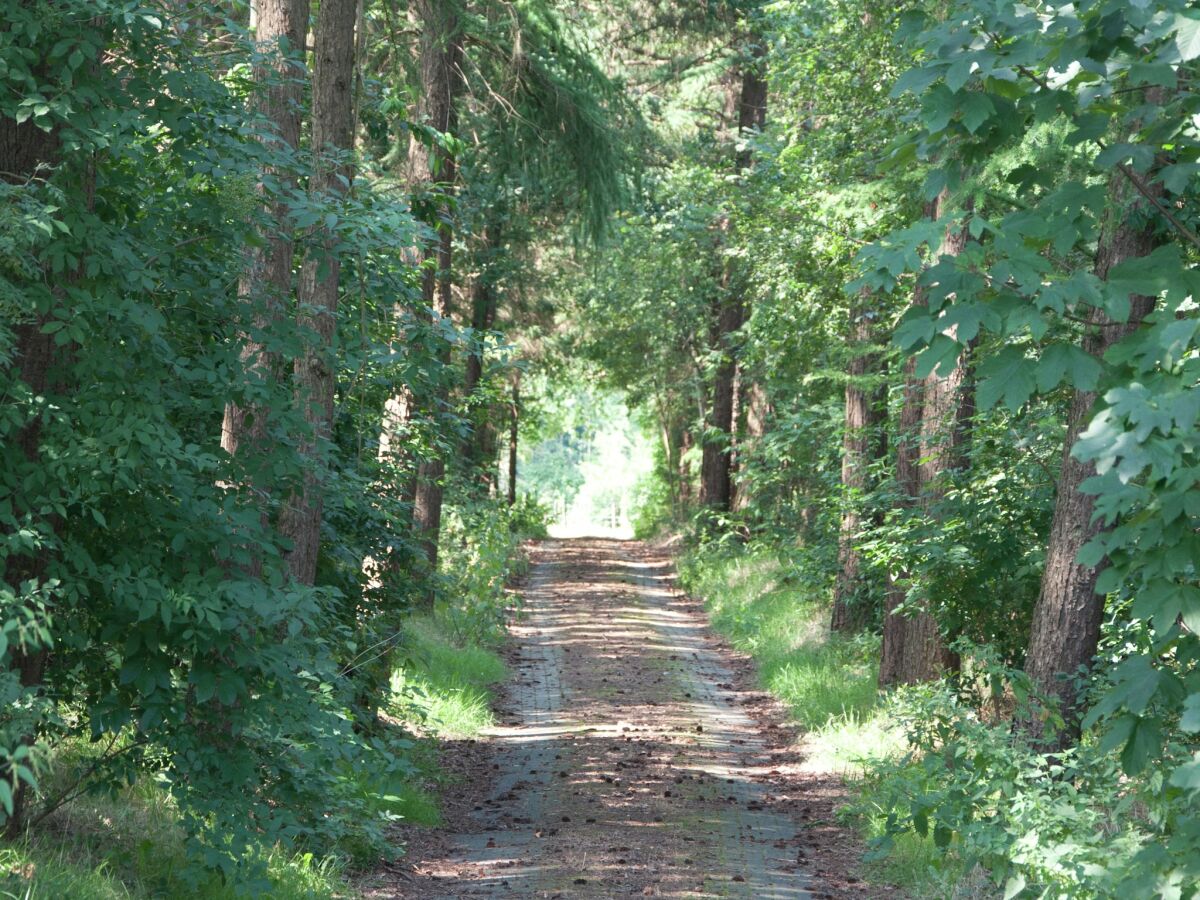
(481, 541)
(1068, 824)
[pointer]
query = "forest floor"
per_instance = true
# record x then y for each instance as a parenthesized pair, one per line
(633, 756)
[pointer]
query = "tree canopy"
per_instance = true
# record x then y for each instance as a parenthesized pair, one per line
(902, 295)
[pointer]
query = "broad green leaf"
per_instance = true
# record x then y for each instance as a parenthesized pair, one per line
(1177, 177)
(1153, 74)
(916, 80)
(976, 109)
(1065, 361)
(1143, 744)
(940, 356)
(1089, 127)
(917, 327)
(938, 107)
(1187, 776)
(1008, 376)
(1187, 36)
(1190, 720)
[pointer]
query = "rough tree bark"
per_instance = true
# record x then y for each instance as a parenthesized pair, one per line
(1069, 612)
(728, 316)
(716, 487)
(266, 283)
(514, 430)
(861, 424)
(24, 148)
(332, 137)
(441, 84)
(913, 649)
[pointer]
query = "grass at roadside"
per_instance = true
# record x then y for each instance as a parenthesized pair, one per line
(131, 845)
(827, 682)
(770, 611)
(442, 685)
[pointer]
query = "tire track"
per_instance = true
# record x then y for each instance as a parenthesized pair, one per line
(625, 764)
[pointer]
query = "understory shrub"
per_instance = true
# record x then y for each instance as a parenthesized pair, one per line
(770, 604)
(977, 783)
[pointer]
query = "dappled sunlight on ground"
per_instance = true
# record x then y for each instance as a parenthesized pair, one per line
(625, 760)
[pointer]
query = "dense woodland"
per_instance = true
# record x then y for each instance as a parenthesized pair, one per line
(902, 294)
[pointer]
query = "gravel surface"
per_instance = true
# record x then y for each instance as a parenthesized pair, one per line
(633, 757)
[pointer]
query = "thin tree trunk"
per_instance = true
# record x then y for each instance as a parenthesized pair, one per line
(728, 316)
(514, 422)
(332, 136)
(441, 83)
(686, 487)
(861, 424)
(913, 649)
(266, 282)
(484, 307)
(1067, 618)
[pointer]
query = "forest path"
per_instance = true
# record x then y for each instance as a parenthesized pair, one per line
(631, 758)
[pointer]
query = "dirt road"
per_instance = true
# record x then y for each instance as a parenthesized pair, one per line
(631, 759)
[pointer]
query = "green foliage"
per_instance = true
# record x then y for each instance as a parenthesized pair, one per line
(482, 556)
(128, 841)
(1062, 825)
(774, 609)
(442, 680)
(1042, 129)
(992, 77)
(131, 541)
(983, 538)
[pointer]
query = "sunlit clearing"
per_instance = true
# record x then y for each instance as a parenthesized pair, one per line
(593, 472)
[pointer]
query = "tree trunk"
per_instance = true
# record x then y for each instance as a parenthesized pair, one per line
(332, 137)
(913, 649)
(948, 405)
(514, 422)
(266, 283)
(728, 316)
(1069, 612)
(686, 487)
(908, 482)
(861, 425)
(484, 307)
(24, 149)
(716, 485)
(756, 408)
(441, 85)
